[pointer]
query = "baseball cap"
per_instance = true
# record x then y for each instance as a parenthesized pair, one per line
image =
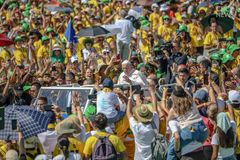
(233, 97)
(108, 83)
(201, 94)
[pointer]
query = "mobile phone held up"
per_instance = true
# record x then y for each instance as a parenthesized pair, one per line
(118, 59)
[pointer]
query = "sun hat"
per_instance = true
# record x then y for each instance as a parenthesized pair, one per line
(154, 5)
(90, 111)
(223, 122)
(143, 113)
(232, 48)
(49, 29)
(108, 83)
(233, 97)
(45, 38)
(68, 125)
(11, 155)
(100, 66)
(26, 88)
(222, 51)
(74, 59)
(227, 57)
(183, 28)
(140, 65)
(166, 17)
(201, 58)
(25, 27)
(215, 56)
(18, 38)
(56, 47)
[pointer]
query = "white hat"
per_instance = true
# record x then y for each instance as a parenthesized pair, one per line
(201, 58)
(164, 7)
(154, 5)
(127, 2)
(234, 97)
(11, 155)
(56, 47)
(74, 59)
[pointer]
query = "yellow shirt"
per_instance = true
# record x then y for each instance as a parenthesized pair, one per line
(154, 19)
(20, 55)
(178, 16)
(43, 52)
(91, 141)
(76, 146)
(37, 45)
(211, 38)
(195, 34)
(166, 32)
(237, 23)
(236, 62)
(228, 34)
(5, 54)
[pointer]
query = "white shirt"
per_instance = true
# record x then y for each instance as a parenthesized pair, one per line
(127, 30)
(224, 152)
(136, 77)
(144, 135)
(48, 140)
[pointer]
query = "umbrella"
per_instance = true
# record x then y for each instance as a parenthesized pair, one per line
(113, 29)
(225, 22)
(30, 121)
(145, 2)
(5, 41)
(94, 31)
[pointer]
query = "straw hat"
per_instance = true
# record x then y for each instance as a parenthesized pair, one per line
(143, 113)
(57, 47)
(68, 125)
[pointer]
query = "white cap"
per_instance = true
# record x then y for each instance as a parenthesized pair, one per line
(74, 59)
(164, 7)
(234, 97)
(154, 5)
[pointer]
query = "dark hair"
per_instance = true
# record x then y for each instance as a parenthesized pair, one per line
(43, 99)
(206, 63)
(62, 76)
(183, 70)
(71, 75)
(37, 84)
(225, 140)
(63, 144)
(100, 121)
(179, 91)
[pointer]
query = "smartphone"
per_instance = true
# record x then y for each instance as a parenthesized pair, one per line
(137, 88)
(69, 110)
(205, 79)
(14, 124)
(54, 68)
(47, 107)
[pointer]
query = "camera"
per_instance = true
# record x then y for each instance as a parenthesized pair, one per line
(135, 22)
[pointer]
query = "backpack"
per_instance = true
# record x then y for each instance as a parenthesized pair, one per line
(104, 149)
(159, 145)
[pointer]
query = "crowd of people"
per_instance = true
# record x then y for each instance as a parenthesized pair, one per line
(178, 61)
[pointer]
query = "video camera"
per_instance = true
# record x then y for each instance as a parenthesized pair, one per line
(135, 22)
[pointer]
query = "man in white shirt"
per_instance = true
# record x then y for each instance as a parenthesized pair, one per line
(124, 38)
(129, 73)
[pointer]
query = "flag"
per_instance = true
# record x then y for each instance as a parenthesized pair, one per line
(70, 33)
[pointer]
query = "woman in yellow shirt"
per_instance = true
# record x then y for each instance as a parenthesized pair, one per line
(20, 53)
(211, 39)
(196, 35)
(154, 17)
(166, 30)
